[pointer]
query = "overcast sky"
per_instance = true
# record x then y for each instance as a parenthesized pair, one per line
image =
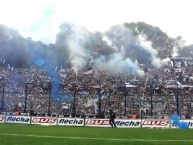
(40, 19)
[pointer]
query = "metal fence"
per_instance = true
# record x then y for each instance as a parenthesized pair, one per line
(42, 99)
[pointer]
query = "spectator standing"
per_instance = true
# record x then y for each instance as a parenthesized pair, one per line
(112, 119)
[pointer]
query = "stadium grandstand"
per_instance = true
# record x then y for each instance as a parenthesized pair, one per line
(92, 93)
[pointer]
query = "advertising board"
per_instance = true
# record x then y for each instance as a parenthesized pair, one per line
(2, 119)
(95, 122)
(18, 119)
(155, 123)
(188, 123)
(120, 123)
(71, 121)
(128, 123)
(44, 120)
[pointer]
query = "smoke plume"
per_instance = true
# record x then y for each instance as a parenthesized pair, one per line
(147, 46)
(75, 38)
(114, 51)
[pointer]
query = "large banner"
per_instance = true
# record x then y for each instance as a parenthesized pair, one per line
(44, 120)
(180, 124)
(2, 119)
(120, 123)
(18, 119)
(155, 123)
(71, 121)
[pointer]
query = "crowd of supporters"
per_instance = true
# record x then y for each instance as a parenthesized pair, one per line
(66, 92)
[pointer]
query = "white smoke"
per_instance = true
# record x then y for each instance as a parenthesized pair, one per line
(119, 39)
(109, 42)
(166, 61)
(78, 54)
(116, 63)
(116, 48)
(147, 46)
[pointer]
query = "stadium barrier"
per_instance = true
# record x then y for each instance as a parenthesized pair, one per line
(71, 121)
(18, 119)
(155, 123)
(128, 123)
(2, 119)
(44, 120)
(120, 123)
(188, 122)
(93, 122)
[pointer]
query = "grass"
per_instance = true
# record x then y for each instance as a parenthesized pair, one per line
(11, 134)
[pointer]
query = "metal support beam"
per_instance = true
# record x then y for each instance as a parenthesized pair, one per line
(26, 94)
(49, 100)
(74, 104)
(151, 101)
(125, 101)
(177, 100)
(99, 104)
(3, 97)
